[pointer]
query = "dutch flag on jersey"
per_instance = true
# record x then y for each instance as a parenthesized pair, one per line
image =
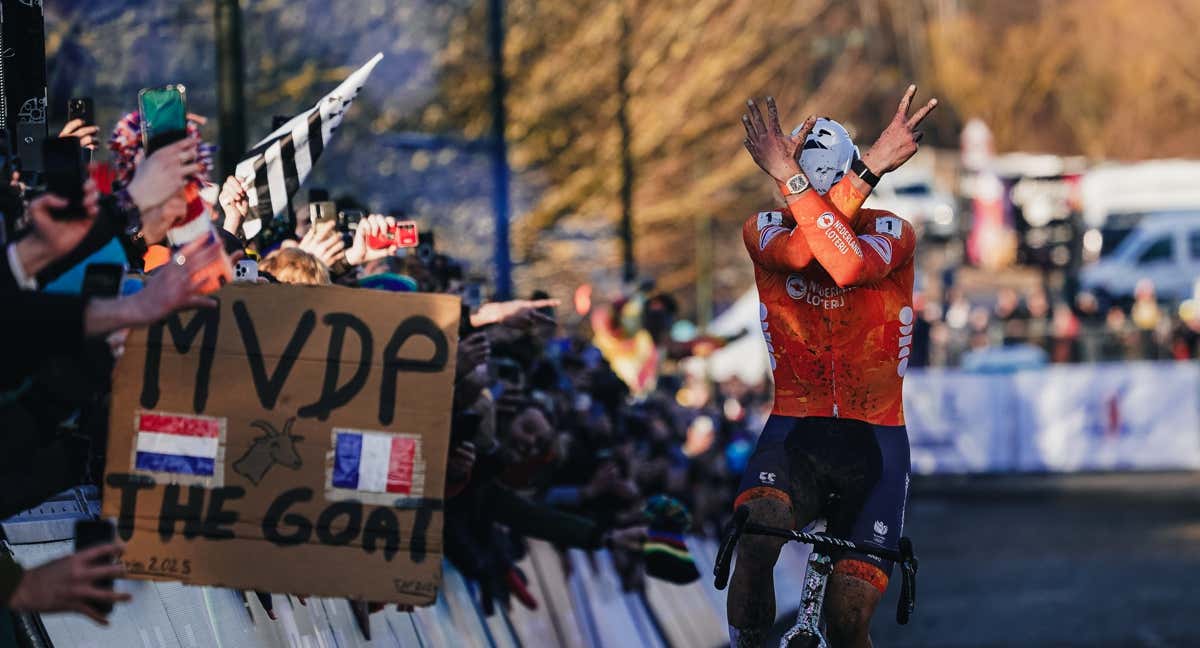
(274, 169)
(375, 462)
(179, 444)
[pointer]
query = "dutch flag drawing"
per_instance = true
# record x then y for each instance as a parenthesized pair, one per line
(375, 462)
(173, 443)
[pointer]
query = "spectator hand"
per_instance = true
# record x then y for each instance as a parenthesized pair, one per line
(462, 462)
(157, 220)
(513, 313)
(164, 173)
(69, 584)
(630, 539)
(898, 142)
(84, 132)
(325, 243)
(608, 481)
(234, 203)
(177, 286)
(376, 225)
(51, 238)
(473, 351)
(527, 320)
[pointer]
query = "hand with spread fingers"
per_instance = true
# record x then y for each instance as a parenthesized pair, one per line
(899, 140)
(69, 584)
(177, 285)
(773, 150)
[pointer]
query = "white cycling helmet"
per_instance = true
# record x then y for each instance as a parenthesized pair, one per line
(826, 154)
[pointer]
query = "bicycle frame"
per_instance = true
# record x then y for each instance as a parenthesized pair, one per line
(812, 600)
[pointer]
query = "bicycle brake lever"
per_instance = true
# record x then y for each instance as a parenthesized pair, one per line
(908, 582)
(725, 554)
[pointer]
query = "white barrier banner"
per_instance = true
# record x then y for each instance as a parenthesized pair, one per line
(959, 422)
(1130, 416)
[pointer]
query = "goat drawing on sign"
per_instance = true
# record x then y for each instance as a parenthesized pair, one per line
(273, 447)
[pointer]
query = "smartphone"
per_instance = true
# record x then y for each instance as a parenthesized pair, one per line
(403, 234)
(507, 371)
(102, 280)
(464, 426)
(28, 147)
(425, 247)
(246, 271)
(64, 174)
(91, 533)
(347, 224)
(83, 109)
(322, 213)
(164, 116)
(349, 219)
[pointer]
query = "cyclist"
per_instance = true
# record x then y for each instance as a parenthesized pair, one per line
(835, 283)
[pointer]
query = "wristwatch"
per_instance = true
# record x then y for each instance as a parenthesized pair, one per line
(795, 184)
(860, 167)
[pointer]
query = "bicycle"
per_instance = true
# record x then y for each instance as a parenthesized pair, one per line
(806, 632)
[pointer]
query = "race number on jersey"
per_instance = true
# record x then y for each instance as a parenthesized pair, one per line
(889, 225)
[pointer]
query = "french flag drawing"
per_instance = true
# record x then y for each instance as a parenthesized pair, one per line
(374, 462)
(176, 443)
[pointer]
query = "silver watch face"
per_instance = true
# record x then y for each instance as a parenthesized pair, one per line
(797, 183)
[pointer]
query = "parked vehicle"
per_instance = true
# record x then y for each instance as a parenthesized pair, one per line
(1116, 197)
(1163, 247)
(914, 197)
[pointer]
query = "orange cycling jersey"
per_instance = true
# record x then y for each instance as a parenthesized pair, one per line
(835, 284)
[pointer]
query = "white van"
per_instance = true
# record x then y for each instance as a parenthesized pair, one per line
(1116, 197)
(913, 197)
(1163, 247)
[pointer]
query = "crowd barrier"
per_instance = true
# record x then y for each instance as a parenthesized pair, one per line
(1060, 418)
(580, 604)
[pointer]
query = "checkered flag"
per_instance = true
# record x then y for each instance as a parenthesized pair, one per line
(275, 168)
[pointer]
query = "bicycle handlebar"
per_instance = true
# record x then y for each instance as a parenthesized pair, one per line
(725, 553)
(904, 557)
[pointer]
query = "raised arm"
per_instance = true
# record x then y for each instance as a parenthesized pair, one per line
(825, 222)
(850, 259)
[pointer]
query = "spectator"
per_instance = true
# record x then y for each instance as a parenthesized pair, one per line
(1146, 317)
(1010, 317)
(1038, 325)
(1117, 343)
(1065, 329)
(293, 265)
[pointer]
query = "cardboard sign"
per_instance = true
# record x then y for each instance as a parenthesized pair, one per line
(292, 440)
